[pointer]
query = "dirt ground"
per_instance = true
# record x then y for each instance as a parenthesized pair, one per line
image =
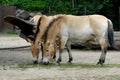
(16, 64)
(83, 68)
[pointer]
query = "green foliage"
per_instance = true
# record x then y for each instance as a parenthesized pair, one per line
(81, 7)
(29, 5)
(8, 2)
(75, 7)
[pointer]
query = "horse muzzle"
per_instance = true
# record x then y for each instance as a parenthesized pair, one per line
(46, 61)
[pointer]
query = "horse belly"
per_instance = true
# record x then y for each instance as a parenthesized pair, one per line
(81, 36)
(79, 39)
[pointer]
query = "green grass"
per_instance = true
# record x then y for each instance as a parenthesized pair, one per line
(109, 77)
(64, 66)
(41, 79)
(87, 48)
(11, 32)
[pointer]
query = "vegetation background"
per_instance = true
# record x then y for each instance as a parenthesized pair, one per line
(108, 8)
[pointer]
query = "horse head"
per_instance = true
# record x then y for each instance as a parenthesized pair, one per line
(49, 51)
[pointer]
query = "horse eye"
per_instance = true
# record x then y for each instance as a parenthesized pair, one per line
(48, 44)
(47, 50)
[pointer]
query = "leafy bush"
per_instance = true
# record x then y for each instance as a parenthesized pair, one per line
(75, 7)
(78, 7)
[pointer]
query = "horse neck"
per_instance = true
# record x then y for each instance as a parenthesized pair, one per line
(53, 30)
(52, 33)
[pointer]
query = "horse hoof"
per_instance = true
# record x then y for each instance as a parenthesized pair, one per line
(100, 62)
(59, 60)
(70, 59)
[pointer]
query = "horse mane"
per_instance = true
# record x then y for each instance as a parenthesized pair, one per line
(48, 27)
(37, 28)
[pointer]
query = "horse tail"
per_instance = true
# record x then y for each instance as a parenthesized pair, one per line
(111, 35)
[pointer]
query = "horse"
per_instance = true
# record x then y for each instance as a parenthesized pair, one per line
(43, 22)
(78, 30)
(42, 28)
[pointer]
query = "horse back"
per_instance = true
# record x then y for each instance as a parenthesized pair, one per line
(95, 24)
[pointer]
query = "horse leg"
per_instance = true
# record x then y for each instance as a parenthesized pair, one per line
(103, 44)
(60, 56)
(60, 51)
(42, 51)
(54, 55)
(61, 47)
(69, 51)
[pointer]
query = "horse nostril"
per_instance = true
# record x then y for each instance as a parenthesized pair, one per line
(46, 63)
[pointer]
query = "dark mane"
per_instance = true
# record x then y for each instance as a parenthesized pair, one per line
(48, 27)
(38, 24)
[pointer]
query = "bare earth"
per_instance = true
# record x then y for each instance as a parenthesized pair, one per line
(83, 68)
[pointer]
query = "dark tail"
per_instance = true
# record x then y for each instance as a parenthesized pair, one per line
(111, 36)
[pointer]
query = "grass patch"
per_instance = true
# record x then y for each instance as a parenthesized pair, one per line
(42, 79)
(88, 66)
(40, 66)
(108, 77)
(11, 32)
(64, 66)
(87, 48)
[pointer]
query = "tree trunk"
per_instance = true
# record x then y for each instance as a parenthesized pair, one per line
(119, 16)
(73, 4)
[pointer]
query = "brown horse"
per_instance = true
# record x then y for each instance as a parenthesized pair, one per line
(44, 21)
(78, 30)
